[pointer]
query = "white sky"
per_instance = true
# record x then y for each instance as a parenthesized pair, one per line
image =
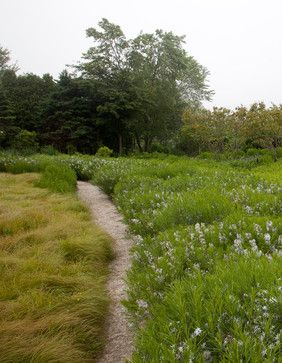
(239, 41)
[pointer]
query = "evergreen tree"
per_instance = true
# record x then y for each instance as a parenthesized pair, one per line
(8, 130)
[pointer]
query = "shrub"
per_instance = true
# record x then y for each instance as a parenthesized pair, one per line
(206, 155)
(71, 149)
(49, 150)
(26, 141)
(104, 152)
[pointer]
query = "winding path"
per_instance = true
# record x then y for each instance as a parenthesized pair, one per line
(119, 345)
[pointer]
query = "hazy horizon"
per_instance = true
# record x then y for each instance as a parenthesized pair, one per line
(237, 41)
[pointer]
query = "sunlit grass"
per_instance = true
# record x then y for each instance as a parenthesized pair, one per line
(53, 266)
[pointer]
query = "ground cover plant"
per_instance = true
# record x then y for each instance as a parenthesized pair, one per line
(205, 283)
(53, 267)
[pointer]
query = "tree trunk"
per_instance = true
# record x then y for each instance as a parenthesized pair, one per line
(148, 143)
(138, 143)
(120, 146)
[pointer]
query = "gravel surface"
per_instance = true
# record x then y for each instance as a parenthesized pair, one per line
(119, 345)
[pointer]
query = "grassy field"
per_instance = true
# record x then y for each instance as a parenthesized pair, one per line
(53, 266)
(205, 282)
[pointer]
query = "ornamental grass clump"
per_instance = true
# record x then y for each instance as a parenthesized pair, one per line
(58, 178)
(53, 264)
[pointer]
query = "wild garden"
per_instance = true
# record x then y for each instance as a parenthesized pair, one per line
(200, 190)
(205, 281)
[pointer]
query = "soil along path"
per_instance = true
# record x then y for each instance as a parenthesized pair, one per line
(119, 345)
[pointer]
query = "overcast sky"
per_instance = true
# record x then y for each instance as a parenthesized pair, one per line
(238, 41)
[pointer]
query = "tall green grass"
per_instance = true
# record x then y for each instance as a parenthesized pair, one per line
(58, 178)
(205, 282)
(229, 315)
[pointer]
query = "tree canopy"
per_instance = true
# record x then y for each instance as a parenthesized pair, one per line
(143, 93)
(146, 82)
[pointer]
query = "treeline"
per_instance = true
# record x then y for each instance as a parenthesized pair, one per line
(141, 94)
(36, 112)
(220, 130)
(126, 94)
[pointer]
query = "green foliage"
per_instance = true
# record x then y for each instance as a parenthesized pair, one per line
(204, 282)
(7, 129)
(223, 130)
(17, 164)
(104, 152)
(204, 318)
(58, 178)
(205, 272)
(110, 173)
(144, 82)
(202, 205)
(131, 94)
(28, 94)
(49, 150)
(5, 60)
(25, 140)
(68, 118)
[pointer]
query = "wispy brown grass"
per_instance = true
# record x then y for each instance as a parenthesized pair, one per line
(53, 267)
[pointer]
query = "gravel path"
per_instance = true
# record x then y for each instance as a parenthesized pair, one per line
(119, 345)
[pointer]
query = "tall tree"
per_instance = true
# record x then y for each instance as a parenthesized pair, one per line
(27, 93)
(145, 81)
(5, 60)
(8, 129)
(106, 63)
(69, 116)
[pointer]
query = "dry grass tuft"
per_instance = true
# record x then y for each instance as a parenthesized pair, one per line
(53, 267)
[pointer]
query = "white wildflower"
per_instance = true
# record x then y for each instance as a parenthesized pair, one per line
(197, 332)
(142, 304)
(269, 225)
(267, 238)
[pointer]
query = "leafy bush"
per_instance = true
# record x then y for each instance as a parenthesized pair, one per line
(104, 152)
(206, 155)
(26, 141)
(256, 127)
(49, 150)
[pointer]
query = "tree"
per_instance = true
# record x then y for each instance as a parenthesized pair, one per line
(5, 60)
(8, 129)
(144, 82)
(69, 119)
(106, 63)
(222, 129)
(167, 79)
(262, 127)
(28, 94)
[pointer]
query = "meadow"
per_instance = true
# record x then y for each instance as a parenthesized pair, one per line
(53, 269)
(205, 280)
